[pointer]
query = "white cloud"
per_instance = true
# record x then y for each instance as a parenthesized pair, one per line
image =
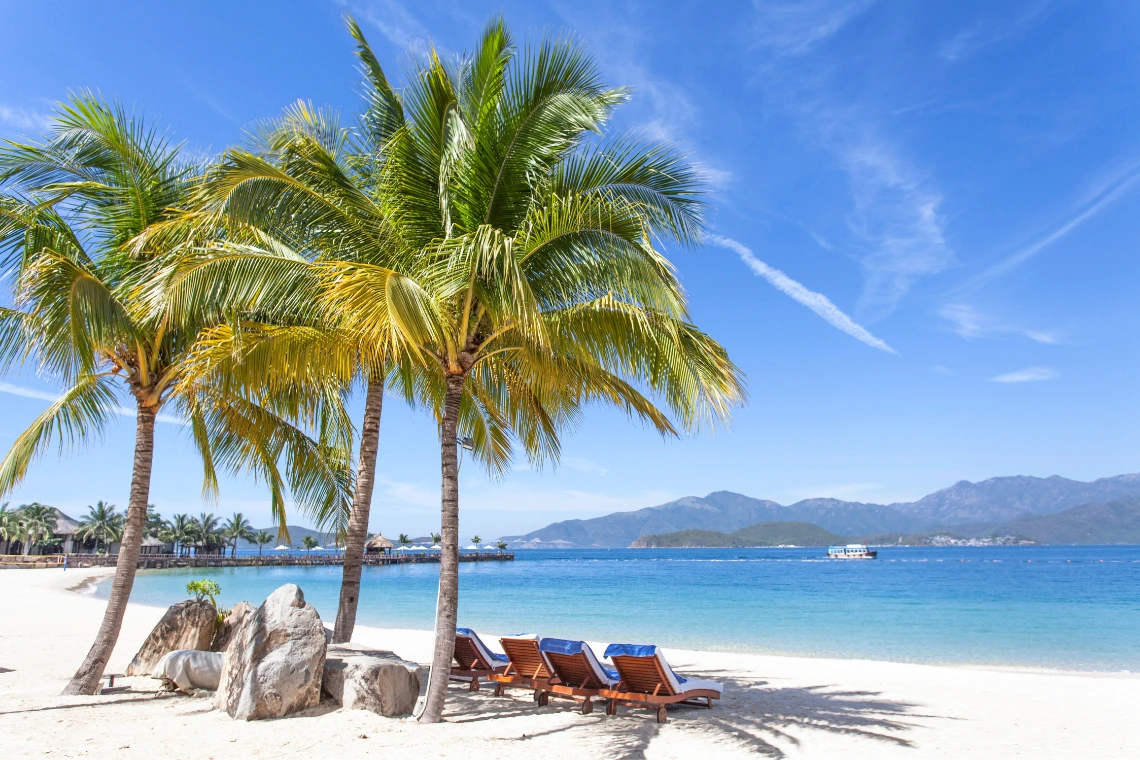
(794, 28)
(817, 302)
(969, 323)
(395, 22)
(19, 390)
(24, 119)
(583, 465)
(1027, 375)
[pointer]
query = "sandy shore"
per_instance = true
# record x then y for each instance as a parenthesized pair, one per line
(773, 706)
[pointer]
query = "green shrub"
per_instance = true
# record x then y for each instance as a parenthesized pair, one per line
(203, 588)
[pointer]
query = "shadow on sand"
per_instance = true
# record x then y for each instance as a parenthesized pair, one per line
(753, 716)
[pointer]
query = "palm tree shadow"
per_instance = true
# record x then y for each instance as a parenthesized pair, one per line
(753, 716)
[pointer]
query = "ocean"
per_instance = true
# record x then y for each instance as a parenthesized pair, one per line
(1055, 607)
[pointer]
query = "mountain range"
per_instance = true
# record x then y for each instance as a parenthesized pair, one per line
(983, 505)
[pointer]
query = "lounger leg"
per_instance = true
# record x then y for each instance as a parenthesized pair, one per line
(474, 684)
(710, 702)
(499, 691)
(611, 707)
(587, 706)
(662, 716)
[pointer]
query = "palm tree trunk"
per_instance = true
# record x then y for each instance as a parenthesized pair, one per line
(447, 609)
(86, 679)
(357, 534)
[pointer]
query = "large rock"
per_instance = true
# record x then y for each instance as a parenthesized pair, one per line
(229, 626)
(360, 678)
(275, 660)
(187, 625)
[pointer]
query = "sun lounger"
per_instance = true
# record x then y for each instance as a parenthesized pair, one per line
(474, 659)
(528, 667)
(579, 674)
(647, 680)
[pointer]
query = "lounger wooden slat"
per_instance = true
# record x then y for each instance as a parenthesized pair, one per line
(471, 664)
(527, 668)
(644, 682)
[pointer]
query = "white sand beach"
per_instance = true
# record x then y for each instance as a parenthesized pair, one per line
(772, 706)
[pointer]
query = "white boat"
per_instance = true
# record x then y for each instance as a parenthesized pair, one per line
(851, 551)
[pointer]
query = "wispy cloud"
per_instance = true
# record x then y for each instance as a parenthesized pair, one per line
(1027, 375)
(24, 119)
(1107, 188)
(969, 323)
(993, 30)
(794, 28)
(817, 302)
(394, 21)
(19, 390)
(584, 465)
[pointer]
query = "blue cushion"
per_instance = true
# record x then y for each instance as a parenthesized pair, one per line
(560, 646)
(630, 650)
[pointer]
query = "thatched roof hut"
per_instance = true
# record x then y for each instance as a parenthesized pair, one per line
(378, 545)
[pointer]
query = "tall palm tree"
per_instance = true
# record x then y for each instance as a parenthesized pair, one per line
(533, 250)
(261, 538)
(436, 537)
(37, 522)
(477, 541)
(155, 523)
(309, 543)
(102, 522)
(9, 526)
(403, 540)
(85, 226)
(178, 532)
(235, 529)
(501, 546)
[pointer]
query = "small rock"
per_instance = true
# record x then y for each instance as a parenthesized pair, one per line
(359, 678)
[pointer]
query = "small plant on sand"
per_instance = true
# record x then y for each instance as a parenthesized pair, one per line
(203, 588)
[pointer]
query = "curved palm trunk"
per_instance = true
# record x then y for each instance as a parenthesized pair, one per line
(86, 679)
(357, 534)
(447, 609)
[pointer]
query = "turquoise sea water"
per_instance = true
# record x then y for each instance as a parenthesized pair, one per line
(1050, 607)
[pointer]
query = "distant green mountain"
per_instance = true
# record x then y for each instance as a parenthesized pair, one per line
(1117, 522)
(761, 534)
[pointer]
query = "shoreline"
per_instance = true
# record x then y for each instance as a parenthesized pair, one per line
(89, 586)
(774, 705)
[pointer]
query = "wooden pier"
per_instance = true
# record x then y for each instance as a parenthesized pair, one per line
(164, 561)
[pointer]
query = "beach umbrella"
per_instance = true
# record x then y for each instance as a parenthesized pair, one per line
(473, 548)
(435, 547)
(281, 548)
(419, 548)
(317, 549)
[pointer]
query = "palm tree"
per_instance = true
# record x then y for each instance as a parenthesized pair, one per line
(155, 523)
(477, 541)
(102, 521)
(87, 223)
(9, 526)
(237, 528)
(207, 533)
(309, 543)
(37, 522)
(501, 546)
(403, 540)
(435, 538)
(538, 285)
(178, 532)
(261, 538)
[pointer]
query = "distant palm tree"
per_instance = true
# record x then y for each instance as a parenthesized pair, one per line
(261, 538)
(102, 522)
(36, 522)
(179, 532)
(9, 526)
(501, 546)
(403, 540)
(155, 524)
(309, 543)
(477, 541)
(235, 529)
(436, 537)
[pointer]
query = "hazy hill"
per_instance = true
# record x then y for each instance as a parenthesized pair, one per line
(761, 534)
(1117, 522)
(991, 502)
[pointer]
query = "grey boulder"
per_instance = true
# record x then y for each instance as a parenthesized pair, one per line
(275, 660)
(360, 678)
(230, 625)
(186, 625)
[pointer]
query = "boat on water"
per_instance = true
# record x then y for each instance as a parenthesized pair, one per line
(851, 551)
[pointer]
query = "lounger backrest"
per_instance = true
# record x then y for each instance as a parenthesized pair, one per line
(526, 658)
(575, 664)
(643, 669)
(468, 655)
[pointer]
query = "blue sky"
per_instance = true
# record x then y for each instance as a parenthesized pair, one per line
(925, 225)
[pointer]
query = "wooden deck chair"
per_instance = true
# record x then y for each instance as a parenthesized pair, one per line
(528, 667)
(580, 676)
(474, 660)
(648, 681)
